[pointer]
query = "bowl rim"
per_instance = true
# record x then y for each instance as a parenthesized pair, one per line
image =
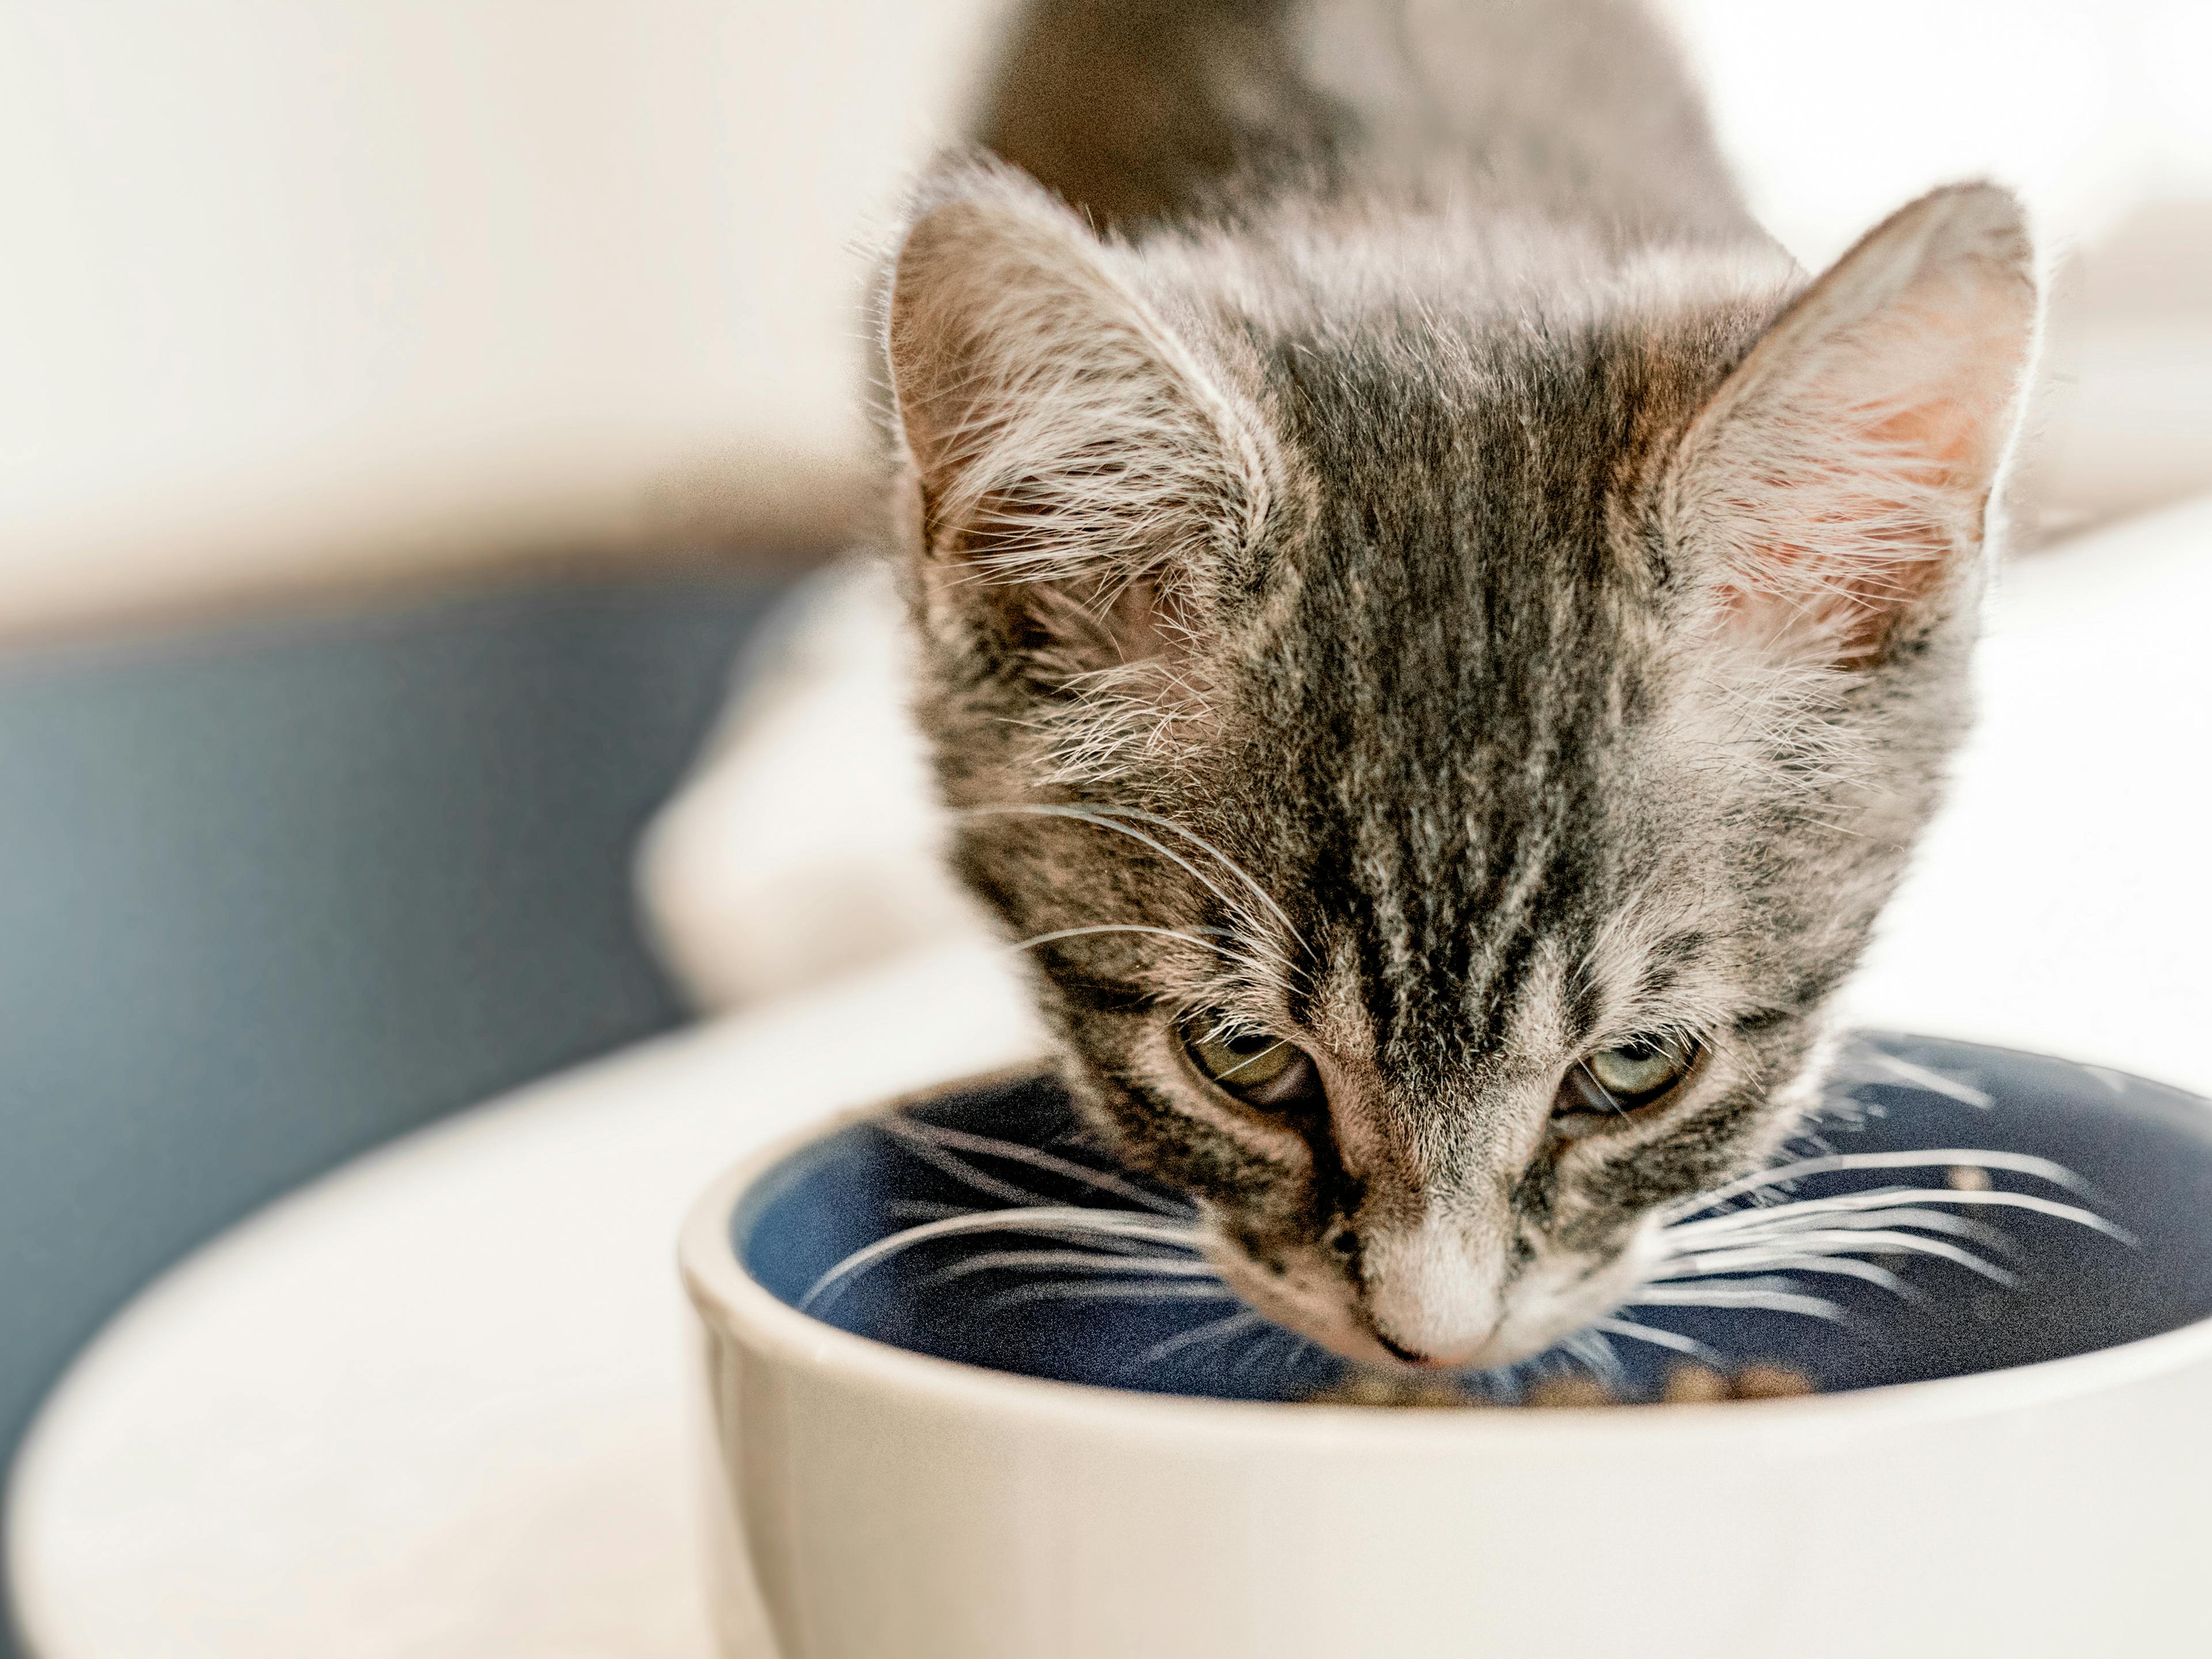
(728, 1299)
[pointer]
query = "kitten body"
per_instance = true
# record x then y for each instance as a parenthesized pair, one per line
(1428, 582)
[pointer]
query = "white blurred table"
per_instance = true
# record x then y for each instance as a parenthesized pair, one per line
(432, 1405)
(2062, 901)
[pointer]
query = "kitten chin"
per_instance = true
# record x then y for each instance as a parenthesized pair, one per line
(1412, 582)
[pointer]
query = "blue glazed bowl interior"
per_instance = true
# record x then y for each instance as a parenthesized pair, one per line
(1030, 1302)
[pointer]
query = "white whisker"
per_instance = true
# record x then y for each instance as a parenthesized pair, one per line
(1596, 1355)
(1878, 1208)
(1093, 1290)
(1154, 1267)
(1244, 1320)
(914, 1129)
(958, 1168)
(915, 1209)
(2020, 1202)
(2041, 1169)
(1259, 1347)
(1700, 1293)
(1225, 860)
(1054, 937)
(1583, 1068)
(1293, 1351)
(1049, 1220)
(1100, 820)
(1836, 1266)
(1657, 1335)
(1896, 1198)
(1921, 1077)
(1870, 1221)
(1849, 1244)
(1109, 819)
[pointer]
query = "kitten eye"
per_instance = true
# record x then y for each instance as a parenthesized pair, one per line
(1643, 1067)
(1624, 1078)
(1252, 1065)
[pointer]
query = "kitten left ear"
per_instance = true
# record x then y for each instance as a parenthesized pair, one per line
(1839, 481)
(1081, 482)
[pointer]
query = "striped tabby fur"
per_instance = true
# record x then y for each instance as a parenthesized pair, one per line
(1404, 563)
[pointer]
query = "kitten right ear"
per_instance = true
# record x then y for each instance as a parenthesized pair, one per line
(1082, 480)
(1838, 483)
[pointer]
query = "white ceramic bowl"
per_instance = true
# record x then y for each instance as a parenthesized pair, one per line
(882, 1504)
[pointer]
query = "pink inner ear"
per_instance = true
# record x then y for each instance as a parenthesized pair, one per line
(1876, 483)
(1841, 477)
(1867, 542)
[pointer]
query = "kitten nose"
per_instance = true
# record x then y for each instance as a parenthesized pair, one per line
(1432, 1298)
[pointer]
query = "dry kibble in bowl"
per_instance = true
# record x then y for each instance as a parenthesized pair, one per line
(1772, 1382)
(1688, 1383)
(1692, 1384)
(1568, 1392)
(1394, 1391)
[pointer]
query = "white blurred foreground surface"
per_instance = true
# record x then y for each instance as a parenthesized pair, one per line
(2063, 900)
(432, 1407)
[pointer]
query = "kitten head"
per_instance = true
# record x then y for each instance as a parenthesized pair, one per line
(1444, 704)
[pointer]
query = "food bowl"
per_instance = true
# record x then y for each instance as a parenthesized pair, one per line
(973, 1396)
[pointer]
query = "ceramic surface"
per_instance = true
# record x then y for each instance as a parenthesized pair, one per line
(934, 1467)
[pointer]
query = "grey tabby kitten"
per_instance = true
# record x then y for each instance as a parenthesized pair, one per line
(1442, 638)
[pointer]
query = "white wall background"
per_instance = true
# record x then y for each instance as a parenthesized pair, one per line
(303, 291)
(298, 288)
